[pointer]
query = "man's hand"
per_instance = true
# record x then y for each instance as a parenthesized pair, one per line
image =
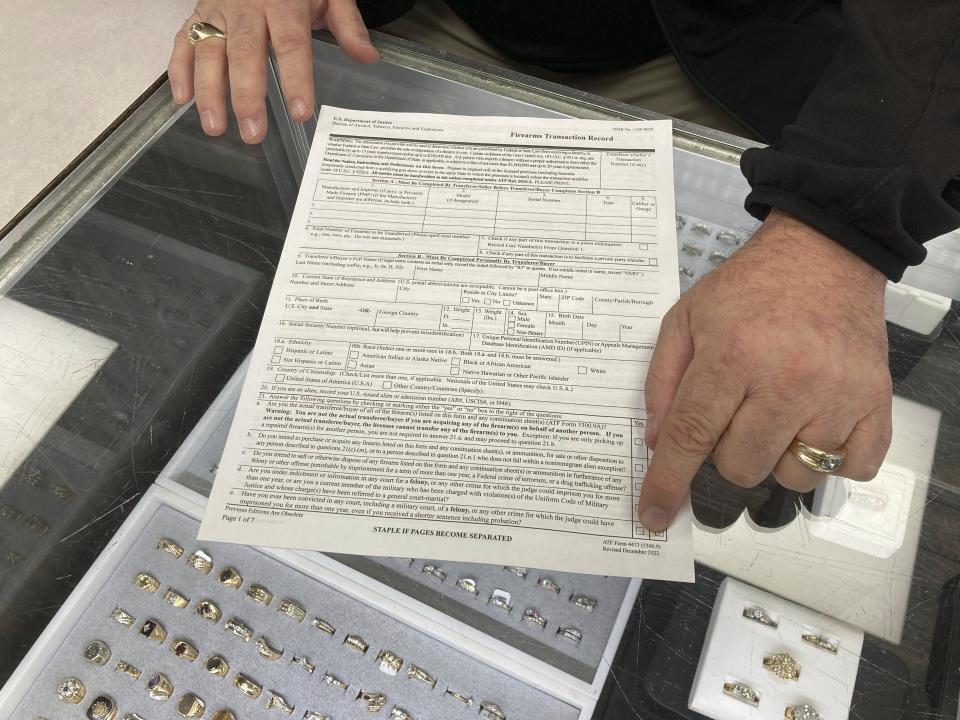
(249, 26)
(785, 340)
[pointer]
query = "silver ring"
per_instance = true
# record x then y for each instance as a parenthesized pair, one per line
(570, 634)
(758, 614)
(398, 713)
(303, 662)
(520, 572)
(532, 615)
(801, 712)
(584, 602)
(434, 570)
(491, 711)
(501, 599)
(821, 641)
(548, 583)
(465, 699)
(468, 584)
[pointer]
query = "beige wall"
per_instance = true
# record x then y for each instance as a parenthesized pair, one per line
(68, 68)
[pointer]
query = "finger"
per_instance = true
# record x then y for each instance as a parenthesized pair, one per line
(671, 357)
(210, 79)
(867, 446)
(345, 22)
(753, 443)
(706, 400)
(793, 474)
(247, 57)
(289, 25)
(180, 68)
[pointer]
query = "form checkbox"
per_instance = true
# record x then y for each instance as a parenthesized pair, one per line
(487, 301)
(640, 531)
(280, 378)
(582, 370)
(354, 354)
(455, 361)
(464, 301)
(638, 486)
(506, 303)
(638, 441)
(351, 363)
(275, 359)
(387, 384)
(454, 371)
(278, 349)
(638, 467)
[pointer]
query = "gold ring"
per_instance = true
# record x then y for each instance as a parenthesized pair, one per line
(224, 715)
(169, 546)
(208, 611)
(230, 577)
(122, 617)
(304, 662)
(418, 673)
(172, 597)
(159, 687)
(267, 651)
(183, 649)
(741, 692)
(247, 686)
(291, 609)
(102, 708)
(783, 666)
(374, 700)
(191, 706)
(127, 669)
(217, 665)
(355, 642)
(201, 31)
(146, 581)
(460, 697)
(153, 630)
(97, 652)
(801, 712)
(398, 713)
(821, 641)
(822, 461)
(71, 690)
(259, 594)
(239, 629)
(331, 679)
(323, 626)
(280, 703)
(390, 662)
(200, 561)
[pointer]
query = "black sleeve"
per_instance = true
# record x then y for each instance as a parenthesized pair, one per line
(379, 12)
(872, 157)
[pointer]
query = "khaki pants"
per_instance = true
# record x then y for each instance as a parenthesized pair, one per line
(658, 85)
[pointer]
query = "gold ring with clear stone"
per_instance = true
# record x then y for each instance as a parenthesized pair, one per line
(821, 461)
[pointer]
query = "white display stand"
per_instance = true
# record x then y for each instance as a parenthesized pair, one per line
(735, 647)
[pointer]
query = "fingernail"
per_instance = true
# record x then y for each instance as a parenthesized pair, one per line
(298, 108)
(652, 427)
(249, 130)
(179, 94)
(208, 118)
(654, 519)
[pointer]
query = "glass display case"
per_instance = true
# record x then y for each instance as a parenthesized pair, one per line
(129, 299)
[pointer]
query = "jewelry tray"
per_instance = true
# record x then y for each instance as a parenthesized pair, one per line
(194, 468)
(349, 606)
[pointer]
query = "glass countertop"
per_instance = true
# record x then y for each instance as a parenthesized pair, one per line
(132, 294)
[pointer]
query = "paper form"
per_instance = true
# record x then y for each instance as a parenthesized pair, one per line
(452, 359)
